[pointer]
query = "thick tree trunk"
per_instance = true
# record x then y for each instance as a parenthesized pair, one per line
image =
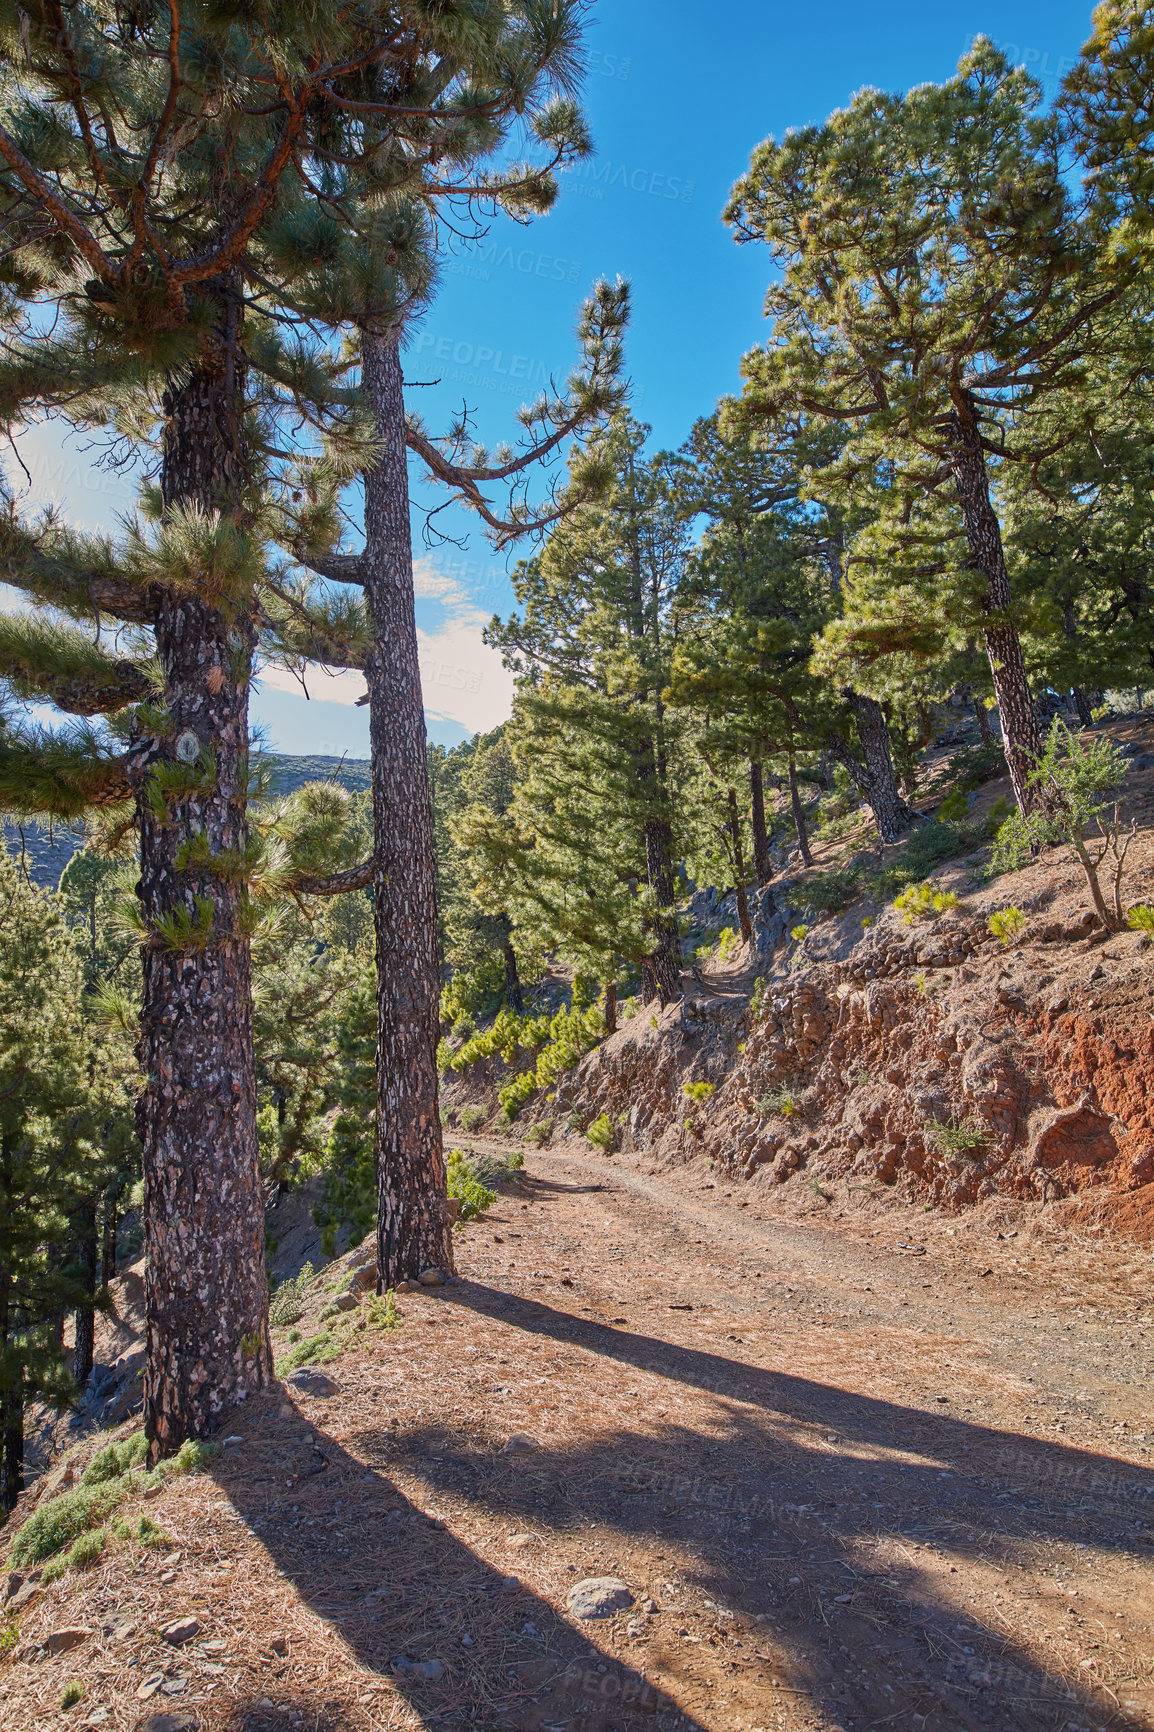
(743, 920)
(873, 772)
(795, 807)
(762, 868)
(206, 1292)
(413, 1225)
(1021, 740)
(514, 997)
(86, 1257)
(665, 957)
(1084, 704)
(11, 1420)
(611, 1007)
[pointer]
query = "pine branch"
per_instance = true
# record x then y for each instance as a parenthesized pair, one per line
(63, 775)
(56, 662)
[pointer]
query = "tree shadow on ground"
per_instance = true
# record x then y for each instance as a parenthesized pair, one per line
(778, 1507)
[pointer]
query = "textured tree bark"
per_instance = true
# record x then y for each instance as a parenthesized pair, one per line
(743, 920)
(795, 807)
(611, 1007)
(85, 1320)
(206, 1292)
(514, 997)
(414, 1231)
(1021, 740)
(664, 960)
(762, 867)
(982, 714)
(11, 1423)
(873, 772)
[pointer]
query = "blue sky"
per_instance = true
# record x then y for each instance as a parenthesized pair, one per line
(677, 95)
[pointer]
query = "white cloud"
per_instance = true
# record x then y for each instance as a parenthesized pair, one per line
(462, 679)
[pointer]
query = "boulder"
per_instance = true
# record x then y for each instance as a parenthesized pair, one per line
(598, 1597)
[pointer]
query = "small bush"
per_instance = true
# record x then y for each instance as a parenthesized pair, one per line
(192, 1456)
(287, 1303)
(115, 1459)
(317, 1350)
(957, 1137)
(1007, 924)
(382, 1313)
(540, 1132)
(600, 1132)
(86, 1549)
(778, 1103)
(955, 806)
(698, 1091)
(1141, 918)
(120, 1528)
(832, 891)
(73, 1692)
(799, 934)
(473, 1117)
(494, 1170)
(473, 1197)
(150, 1533)
(923, 902)
(928, 845)
(728, 943)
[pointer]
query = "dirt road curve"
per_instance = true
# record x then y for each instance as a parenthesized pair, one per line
(864, 1469)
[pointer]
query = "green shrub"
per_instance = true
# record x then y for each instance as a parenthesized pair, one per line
(928, 845)
(698, 1091)
(150, 1533)
(799, 933)
(382, 1313)
(830, 892)
(317, 1350)
(957, 1137)
(192, 1456)
(72, 1693)
(955, 806)
(1007, 924)
(473, 1117)
(1141, 918)
(86, 1549)
(922, 902)
(115, 1459)
(49, 1531)
(494, 1170)
(120, 1528)
(287, 1303)
(601, 1133)
(514, 1095)
(473, 1197)
(540, 1132)
(778, 1103)
(728, 943)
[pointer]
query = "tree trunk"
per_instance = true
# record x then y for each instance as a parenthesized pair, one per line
(206, 1292)
(795, 807)
(611, 1007)
(85, 1318)
(514, 997)
(109, 1227)
(1084, 705)
(743, 920)
(762, 869)
(413, 1225)
(873, 773)
(665, 957)
(985, 732)
(1021, 740)
(11, 1417)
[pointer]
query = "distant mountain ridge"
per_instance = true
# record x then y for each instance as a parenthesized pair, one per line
(45, 850)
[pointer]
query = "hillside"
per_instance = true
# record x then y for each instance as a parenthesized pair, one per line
(46, 850)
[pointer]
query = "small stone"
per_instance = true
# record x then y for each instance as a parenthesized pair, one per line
(520, 1444)
(286, 1410)
(173, 1686)
(344, 1302)
(650, 1606)
(431, 1278)
(216, 1647)
(119, 1630)
(310, 1381)
(149, 1687)
(520, 1542)
(635, 1627)
(23, 1596)
(180, 1630)
(466, 1641)
(97, 1717)
(228, 1442)
(172, 1721)
(152, 1491)
(279, 1645)
(427, 1671)
(71, 1636)
(598, 1597)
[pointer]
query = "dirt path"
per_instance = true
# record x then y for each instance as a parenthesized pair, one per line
(849, 1485)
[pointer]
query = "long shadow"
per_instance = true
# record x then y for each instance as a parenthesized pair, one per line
(467, 1647)
(781, 1529)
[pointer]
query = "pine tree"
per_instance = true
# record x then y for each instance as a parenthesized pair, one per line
(159, 175)
(939, 285)
(63, 1106)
